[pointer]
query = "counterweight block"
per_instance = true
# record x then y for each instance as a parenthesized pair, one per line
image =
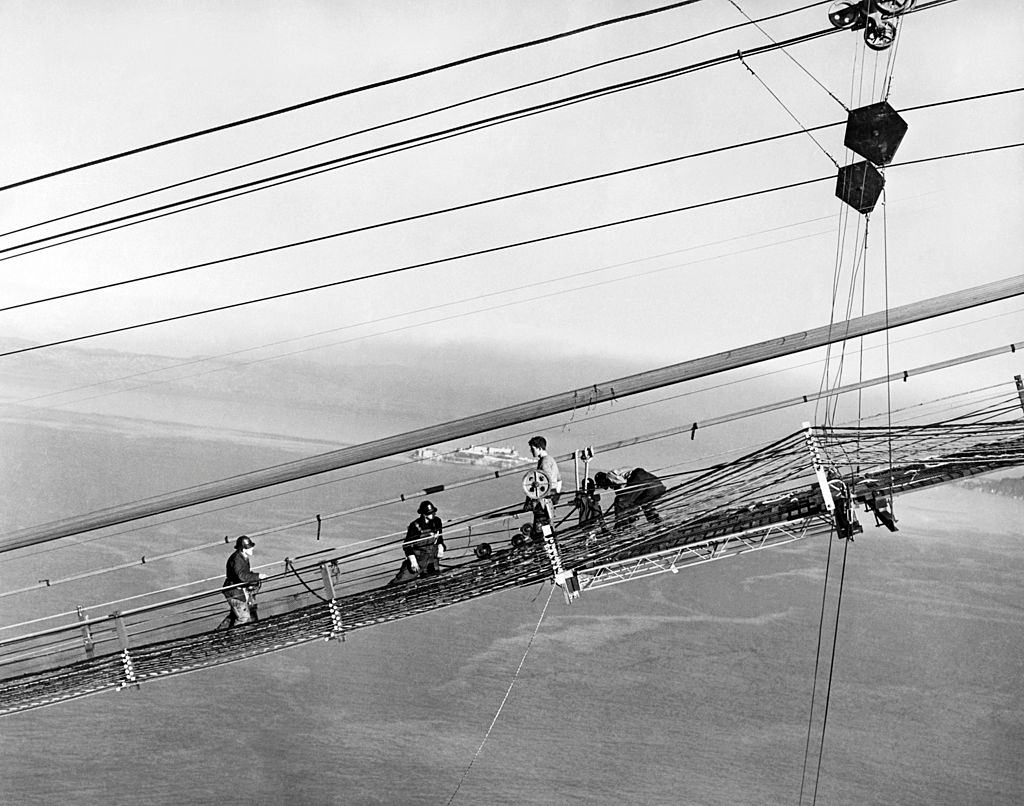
(875, 132)
(860, 185)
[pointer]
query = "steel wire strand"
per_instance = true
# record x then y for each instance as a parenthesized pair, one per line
(465, 255)
(204, 546)
(417, 116)
(441, 211)
(207, 359)
(354, 90)
(342, 559)
(304, 522)
(274, 643)
(245, 188)
(945, 436)
(504, 699)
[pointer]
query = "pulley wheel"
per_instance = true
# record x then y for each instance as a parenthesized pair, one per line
(536, 484)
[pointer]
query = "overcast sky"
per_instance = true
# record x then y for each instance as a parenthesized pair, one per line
(88, 79)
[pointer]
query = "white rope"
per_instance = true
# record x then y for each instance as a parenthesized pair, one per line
(503, 699)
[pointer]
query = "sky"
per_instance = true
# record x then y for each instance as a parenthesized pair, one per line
(83, 80)
(86, 80)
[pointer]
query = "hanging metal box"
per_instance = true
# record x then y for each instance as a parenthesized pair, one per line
(860, 185)
(875, 132)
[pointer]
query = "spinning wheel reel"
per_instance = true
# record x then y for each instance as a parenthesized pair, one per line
(536, 484)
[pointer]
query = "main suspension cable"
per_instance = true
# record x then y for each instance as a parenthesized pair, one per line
(409, 118)
(397, 147)
(351, 91)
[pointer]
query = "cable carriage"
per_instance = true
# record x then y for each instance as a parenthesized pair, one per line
(877, 18)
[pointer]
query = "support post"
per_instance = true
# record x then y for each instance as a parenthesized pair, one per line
(1020, 389)
(325, 575)
(90, 649)
(126, 657)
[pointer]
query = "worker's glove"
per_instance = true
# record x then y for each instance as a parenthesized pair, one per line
(440, 550)
(263, 576)
(413, 564)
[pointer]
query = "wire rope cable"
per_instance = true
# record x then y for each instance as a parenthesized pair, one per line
(396, 147)
(410, 118)
(475, 253)
(504, 699)
(351, 91)
(465, 206)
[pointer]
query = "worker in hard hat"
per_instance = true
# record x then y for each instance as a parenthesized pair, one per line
(423, 546)
(239, 583)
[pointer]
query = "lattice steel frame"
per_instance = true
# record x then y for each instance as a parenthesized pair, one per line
(671, 560)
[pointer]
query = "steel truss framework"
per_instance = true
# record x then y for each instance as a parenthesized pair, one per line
(671, 560)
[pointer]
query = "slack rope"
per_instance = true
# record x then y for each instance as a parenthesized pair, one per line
(503, 699)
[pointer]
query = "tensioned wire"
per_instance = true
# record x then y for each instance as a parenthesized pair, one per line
(355, 90)
(402, 497)
(1007, 400)
(414, 325)
(475, 253)
(785, 460)
(504, 699)
(749, 472)
(256, 185)
(454, 303)
(830, 413)
(308, 521)
(468, 205)
(739, 464)
(417, 116)
(745, 473)
(302, 173)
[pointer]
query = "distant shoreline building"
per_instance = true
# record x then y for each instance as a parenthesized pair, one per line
(501, 456)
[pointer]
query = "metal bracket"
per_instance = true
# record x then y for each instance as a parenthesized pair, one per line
(817, 460)
(126, 656)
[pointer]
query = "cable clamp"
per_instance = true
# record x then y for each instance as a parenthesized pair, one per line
(129, 671)
(337, 626)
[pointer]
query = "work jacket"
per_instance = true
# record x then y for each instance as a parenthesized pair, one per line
(238, 573)
(423, 537)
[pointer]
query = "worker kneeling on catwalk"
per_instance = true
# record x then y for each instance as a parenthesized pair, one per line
(636, 490)
(423, 546)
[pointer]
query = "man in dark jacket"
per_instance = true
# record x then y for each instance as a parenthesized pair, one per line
(424, 545)
(636, 490)
(240, 579)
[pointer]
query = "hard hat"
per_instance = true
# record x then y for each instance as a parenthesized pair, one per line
(244, 542)
(426, 508)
